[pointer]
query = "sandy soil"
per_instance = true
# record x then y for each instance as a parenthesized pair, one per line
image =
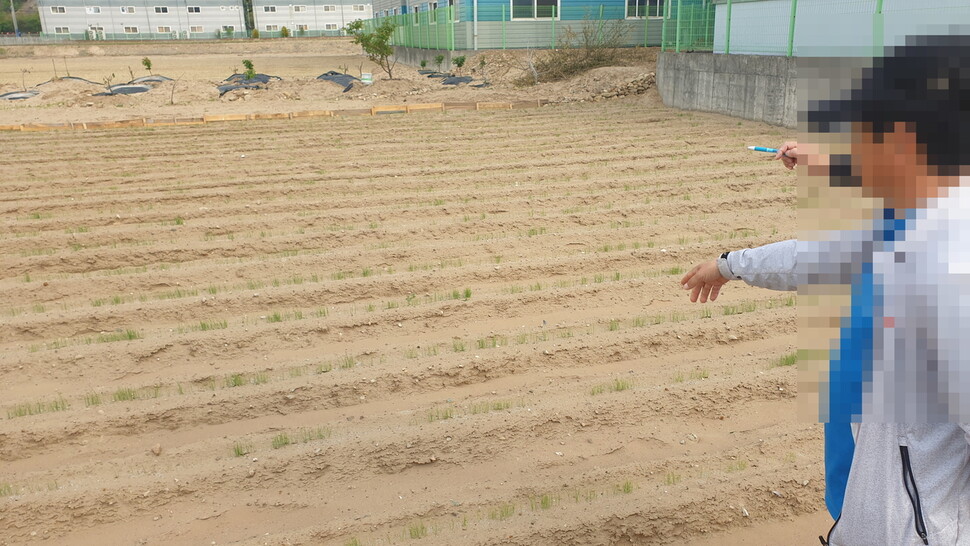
(297, 62)
(441, 328)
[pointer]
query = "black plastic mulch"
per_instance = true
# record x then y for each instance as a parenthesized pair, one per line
(455, 80)
(69, 78)
(151, 79)
(19, 95)
(223, 89)
(258, 78)
(341, 79)
(239, 81)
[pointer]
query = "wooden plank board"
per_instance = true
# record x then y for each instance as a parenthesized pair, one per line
(209, 118)
(494, 105)
(312, 114)
(440, 107)
(226, 117)
(461, 106)
(356, 112)
(393, 109)
(278, 115)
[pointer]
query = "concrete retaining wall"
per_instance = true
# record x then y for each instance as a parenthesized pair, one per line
(755, 87)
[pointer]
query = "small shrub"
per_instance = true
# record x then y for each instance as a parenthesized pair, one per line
(147, 63)
(284, 32)
(250, 69)
(255, 34)
(438, 59)
(459, 62)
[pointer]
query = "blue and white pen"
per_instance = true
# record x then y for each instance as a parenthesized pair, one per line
(763, 149)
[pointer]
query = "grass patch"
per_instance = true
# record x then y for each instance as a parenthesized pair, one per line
(440, 414)
(786, 360)
(126, 335)
(486, 407)
(502, 512)
(124, 394)
(417, 530)
(24, 410)
(617, 385)
(281, 440)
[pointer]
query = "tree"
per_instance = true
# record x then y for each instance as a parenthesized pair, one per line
(376, 43)
(250, 69)
(458, 62)
(147, 63)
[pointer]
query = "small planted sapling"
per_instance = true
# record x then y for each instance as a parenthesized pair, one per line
(483, 69)
(459, 62)
(147, 63)
(107, 83)
(438, 59)
(424, 64)
(250, 69)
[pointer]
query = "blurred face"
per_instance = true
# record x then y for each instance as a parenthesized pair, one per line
(890, 166)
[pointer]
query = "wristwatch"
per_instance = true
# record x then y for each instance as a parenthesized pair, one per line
(725, 268)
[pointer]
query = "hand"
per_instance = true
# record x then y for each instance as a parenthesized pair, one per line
(703, 280)
(788, 154)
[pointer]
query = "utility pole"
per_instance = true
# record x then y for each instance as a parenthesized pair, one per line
(13, 16)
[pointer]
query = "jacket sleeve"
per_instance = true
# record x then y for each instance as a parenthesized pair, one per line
(770, 266)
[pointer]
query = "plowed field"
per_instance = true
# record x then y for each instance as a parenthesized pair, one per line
(439, 328)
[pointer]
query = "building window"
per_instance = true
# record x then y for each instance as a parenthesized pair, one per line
(161, 9)
(195, 9)
(164, 30)
(92, 10)
(330, 26)
(535, 9)
(196, 29)
(269, 9)
(299, 9)
(229, 28)
(272, 28)
(127, 9)
(62, 30)
(58, 9)
(329, 8)
(358, 7)
(302, 28)
(644, 8)
(131, 30)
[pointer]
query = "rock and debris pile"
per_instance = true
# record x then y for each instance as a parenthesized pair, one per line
(638, 86)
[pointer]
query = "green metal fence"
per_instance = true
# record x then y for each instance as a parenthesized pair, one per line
(829, 27)
(688, 25)
(502, 27)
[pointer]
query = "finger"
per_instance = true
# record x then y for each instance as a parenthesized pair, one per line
(705, 292)
(694, 293)
(685, 280)
(714, 292)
